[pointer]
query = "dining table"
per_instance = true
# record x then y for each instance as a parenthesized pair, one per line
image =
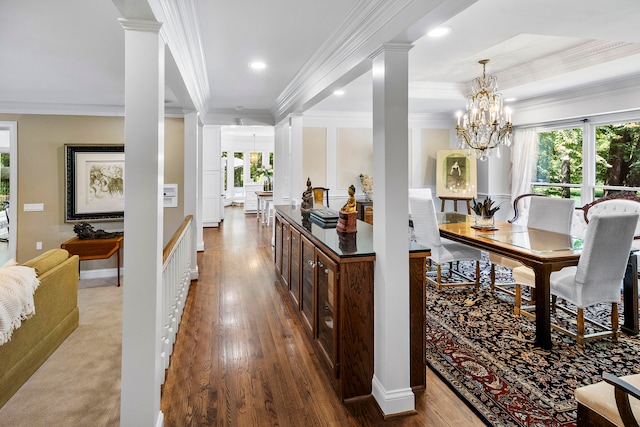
(543, 251)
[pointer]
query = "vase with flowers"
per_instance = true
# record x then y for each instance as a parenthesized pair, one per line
(267, 173)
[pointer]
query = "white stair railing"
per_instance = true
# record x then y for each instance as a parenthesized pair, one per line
(178, 263)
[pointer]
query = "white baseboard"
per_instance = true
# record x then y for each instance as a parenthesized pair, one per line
(200, 246)
(193, 274)
(160, 420)
(394, 401)
(98, 274)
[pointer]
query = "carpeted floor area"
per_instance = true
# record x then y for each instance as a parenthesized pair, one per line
(54, 396)
(486, 354)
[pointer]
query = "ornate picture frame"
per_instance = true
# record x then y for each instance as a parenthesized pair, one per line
(94, 182)
(456, 175)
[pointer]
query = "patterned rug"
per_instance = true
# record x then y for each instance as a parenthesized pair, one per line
(486, 354)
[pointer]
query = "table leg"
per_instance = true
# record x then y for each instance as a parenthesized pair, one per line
(543, 301)
(630, 297)
(468, 207)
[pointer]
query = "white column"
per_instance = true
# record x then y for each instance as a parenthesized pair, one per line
(211, 191)
(191, 184)
(391, 380)
(415, 162)
(298, 181)
(144, 176)
(280, 166)
(199, 218)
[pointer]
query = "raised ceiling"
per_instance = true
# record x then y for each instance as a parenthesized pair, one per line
(68, 56)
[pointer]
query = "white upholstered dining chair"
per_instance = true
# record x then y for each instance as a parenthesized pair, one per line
(598, 276)
(426, 232)
(545, 213)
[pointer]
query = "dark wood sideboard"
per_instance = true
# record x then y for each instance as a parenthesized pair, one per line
(328, 278)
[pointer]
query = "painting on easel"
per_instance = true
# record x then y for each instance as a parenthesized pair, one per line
(456, 175)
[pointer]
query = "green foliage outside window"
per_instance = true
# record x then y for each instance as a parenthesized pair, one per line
(617, 161)
(238, 179)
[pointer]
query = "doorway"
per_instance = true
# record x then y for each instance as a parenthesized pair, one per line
(8, 189)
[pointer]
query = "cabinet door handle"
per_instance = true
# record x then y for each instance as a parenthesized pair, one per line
(320, 264)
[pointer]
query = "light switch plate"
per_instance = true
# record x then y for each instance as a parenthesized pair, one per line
(34, 207)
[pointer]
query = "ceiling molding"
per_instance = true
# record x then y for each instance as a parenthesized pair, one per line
(574, 59)
(618, 89)
(366, 19)
(183, 37)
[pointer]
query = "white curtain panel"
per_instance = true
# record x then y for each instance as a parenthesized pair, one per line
(524, 156)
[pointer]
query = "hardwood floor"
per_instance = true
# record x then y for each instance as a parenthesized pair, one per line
(242, 359)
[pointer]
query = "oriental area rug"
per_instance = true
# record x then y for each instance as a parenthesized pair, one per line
(487, 356)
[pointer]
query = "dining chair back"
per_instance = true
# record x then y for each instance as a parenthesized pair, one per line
(598, 276)
(320, 195)
(551, 214)
(544, 213)
(427, 233)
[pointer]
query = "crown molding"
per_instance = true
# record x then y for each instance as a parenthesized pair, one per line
(55, 109)
(622, 91)
(348, 47)
(574, 59)
(183, 37)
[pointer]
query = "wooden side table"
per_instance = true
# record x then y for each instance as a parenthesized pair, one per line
(88, 249)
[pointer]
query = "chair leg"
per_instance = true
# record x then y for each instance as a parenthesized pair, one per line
(580, 335)
(493, 277)
(518, 301)
(438, 276)
(614, 321)
(477, 275)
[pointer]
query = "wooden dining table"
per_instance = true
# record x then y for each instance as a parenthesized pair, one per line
(543, 251)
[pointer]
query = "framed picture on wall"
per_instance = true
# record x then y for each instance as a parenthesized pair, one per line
(456, 175)
(94, 182)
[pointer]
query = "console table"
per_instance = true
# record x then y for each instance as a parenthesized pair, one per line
(88, 249)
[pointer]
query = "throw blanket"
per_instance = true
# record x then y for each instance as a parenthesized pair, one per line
(17, 286)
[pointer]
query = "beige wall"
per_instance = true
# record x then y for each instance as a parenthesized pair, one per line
(432, 141)
(41, 175)
(355, 156)
(314, 156)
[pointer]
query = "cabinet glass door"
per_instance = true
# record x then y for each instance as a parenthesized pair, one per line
(326, 322)
(278, 244)
(294, 277)
(307, 282)
(286, 251)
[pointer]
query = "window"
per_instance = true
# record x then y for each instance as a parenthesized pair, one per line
(559, 168)
(589, 160)
(617, 157)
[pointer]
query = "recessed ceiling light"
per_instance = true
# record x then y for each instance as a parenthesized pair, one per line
(439, 31)
(338, 92)
(258, 65)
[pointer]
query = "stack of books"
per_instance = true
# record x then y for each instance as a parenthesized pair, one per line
(324, 217)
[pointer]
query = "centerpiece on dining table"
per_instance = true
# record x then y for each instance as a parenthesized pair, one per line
(484, 213)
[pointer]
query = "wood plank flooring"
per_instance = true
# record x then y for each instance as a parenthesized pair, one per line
(242, 359)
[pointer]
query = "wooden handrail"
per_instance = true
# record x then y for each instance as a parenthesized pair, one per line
(175, 238)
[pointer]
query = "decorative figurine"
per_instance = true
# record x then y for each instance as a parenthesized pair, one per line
(85, 231)
(307, 197)
(347, 215)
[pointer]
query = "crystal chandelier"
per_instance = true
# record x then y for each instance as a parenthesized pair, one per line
(486, 125)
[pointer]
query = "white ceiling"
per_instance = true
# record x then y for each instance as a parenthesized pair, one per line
(67, 56)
